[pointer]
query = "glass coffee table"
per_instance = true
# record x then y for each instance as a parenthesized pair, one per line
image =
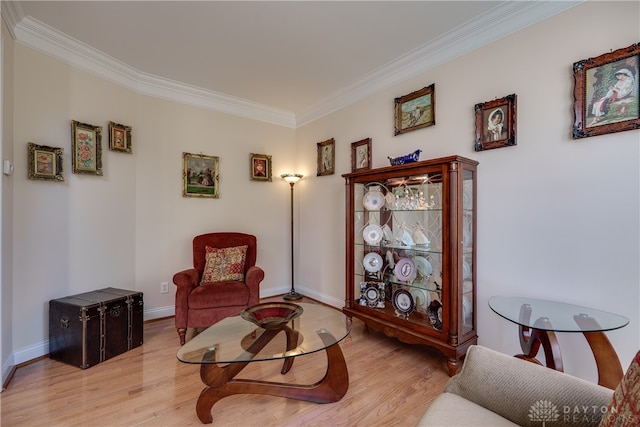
(539, 320)
(226, 348)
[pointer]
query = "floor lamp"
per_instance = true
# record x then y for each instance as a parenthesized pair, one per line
(292, 178)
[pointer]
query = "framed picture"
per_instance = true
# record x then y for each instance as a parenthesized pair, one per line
(260, 165)
(45, 162)
(361, 155)
(86, 147)
(119, 137)
(496, 123)
(606, 93)
(416, 110)
(200, 176)
(326, 157)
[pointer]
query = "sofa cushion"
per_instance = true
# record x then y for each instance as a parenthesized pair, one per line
(449, 410)
(223, 264)
(624, 407)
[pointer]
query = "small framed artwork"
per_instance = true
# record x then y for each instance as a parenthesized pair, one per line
(361, 155)
(260, 165)
(326, 157)
(119, 137)
(86, 147)
(606, 93)
(496, 123)
(45, 162)
(416, 110)
(200, 176)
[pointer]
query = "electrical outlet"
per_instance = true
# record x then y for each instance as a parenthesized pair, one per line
(164, 287)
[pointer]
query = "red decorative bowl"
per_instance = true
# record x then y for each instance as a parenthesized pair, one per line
(271, 315)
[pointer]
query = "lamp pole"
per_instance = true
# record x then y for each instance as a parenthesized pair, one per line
(292, 179)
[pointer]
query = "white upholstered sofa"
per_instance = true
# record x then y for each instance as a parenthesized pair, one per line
(494, 389)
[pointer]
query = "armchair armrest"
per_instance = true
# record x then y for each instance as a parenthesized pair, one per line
(511, 387)
(252, 279)
(185, 281)
(187, 278)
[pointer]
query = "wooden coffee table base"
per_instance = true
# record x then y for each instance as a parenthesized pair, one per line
(221, 383)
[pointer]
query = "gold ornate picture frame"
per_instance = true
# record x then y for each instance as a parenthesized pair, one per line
(260, 167)
(361, 155)
(200, 176)
(44, 162)
(415, 110)
(496, 123)
(606, 93)
(120, 137)
(326, 153)
(86, 148)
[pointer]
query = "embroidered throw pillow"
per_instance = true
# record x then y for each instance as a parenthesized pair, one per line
(224, 264)
(624, 407)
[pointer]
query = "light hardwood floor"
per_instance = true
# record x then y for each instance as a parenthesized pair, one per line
(391, 384)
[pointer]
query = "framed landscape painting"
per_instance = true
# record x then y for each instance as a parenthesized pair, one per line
(200, 176)
(606, 93)
(415, 110)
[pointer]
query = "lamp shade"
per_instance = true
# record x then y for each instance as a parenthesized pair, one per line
(291, 178)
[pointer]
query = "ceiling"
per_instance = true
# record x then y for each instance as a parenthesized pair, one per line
(289, 61)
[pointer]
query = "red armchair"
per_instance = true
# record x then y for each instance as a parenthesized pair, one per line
(201, 306)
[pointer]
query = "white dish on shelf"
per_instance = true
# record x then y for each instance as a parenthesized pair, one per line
(373, 200)
(405, 269)
(372, 234)
(421, 298)
(372, 262)
(423, 265)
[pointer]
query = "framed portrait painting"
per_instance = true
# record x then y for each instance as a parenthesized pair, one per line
(415, 110)
(86, 148)
(200, 176)
(260, 165)
(361, 155)
(606, 93)
(45, 162)
(119, 137)
(326, 154)
(496, 123)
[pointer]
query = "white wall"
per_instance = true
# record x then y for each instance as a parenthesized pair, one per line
(557, 218)
(6, 204)
(130, 228)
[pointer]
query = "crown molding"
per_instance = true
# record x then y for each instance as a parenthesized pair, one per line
(12, 13)
(49, 41)
(499, 22)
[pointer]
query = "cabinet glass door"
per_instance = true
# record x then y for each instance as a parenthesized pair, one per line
(398, 254)
(468, 245)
